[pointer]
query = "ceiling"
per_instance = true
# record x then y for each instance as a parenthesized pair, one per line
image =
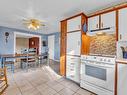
(12, 12)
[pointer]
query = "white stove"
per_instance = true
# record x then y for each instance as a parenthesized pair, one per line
(97, 74)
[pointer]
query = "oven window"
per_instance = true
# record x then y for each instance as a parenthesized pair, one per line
(95, 72)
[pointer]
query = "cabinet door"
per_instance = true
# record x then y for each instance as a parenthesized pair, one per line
(74, 43)
(108, 20)
(93, 23)
(73, 68)
(123, 24)
(122, 79)
(74, 24)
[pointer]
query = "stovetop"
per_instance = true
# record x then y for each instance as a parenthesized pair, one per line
(102, 55)
(98, 58)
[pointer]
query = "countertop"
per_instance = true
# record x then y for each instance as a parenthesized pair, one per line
(121, 61)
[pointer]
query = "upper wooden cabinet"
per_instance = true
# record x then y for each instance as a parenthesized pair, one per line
(122, 25)
(108, 20)
(74, 24)
(93, 23)
(102, 21)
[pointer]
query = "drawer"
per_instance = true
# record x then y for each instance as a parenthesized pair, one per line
(73, 64)
(72, 77)
(73, 59)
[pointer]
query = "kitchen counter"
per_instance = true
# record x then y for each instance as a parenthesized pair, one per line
(121, 61)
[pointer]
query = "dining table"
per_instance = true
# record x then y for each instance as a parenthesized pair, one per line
(4, 57)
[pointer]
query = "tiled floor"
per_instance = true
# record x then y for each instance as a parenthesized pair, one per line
(41, 81)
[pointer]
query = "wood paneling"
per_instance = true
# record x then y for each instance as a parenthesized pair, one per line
(117, 26)
(85, 44)
(63, 48)
(84, 38)
(116, 79)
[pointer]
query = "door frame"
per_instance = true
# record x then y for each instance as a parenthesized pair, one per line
(26, 34)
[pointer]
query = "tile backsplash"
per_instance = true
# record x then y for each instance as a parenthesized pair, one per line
(104, 44)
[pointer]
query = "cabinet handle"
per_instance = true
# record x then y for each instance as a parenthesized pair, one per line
(78, 26)
(120, 36)
(102, 24)
(79, 43)
(96, 25)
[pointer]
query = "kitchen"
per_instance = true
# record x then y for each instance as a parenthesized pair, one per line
(80, 49)
(93, 50)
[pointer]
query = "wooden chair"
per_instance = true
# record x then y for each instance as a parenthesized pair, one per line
(9, 63)
(3, 80)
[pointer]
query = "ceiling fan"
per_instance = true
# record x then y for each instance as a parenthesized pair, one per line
(33, 24)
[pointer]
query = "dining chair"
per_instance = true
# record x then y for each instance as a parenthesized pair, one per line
(9, 64)
(3, 80)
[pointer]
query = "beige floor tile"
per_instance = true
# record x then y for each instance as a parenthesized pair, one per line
(31, 92)
(74, 87)
(66, 83)
(66, 92)
(52, 83)
(57, 94)
(42, 87)
(58, 87)
(15, 91)
(76, 94)
(83, 92)
(48, 91)
(41, 81)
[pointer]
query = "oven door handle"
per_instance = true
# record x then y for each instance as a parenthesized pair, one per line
(100, 66)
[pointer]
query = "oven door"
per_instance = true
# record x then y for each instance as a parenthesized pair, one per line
(100, 76)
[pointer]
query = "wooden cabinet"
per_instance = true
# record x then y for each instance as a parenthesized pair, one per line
(63, 47)
(122, 35)
(34, 43)
(108, 20)
(122, 79)
(93, 23)
(74, 24)
(71, 34)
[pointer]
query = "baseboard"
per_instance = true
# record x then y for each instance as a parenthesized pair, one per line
(57, 60)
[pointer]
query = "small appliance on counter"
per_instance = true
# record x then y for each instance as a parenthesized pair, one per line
(122, 49)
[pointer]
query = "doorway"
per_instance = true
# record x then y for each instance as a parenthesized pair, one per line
(51, 40)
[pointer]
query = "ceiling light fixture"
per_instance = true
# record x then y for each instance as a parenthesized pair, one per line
(33, 24)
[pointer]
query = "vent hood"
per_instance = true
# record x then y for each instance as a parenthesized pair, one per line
(109, 30)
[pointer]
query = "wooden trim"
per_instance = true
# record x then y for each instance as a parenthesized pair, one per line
(122, 63)
(99, 21)
(107, 10)
(80, 14)
(116, 79)
(117, 25)
(63, 48)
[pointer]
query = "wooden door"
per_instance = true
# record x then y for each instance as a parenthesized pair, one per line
(34, 43)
